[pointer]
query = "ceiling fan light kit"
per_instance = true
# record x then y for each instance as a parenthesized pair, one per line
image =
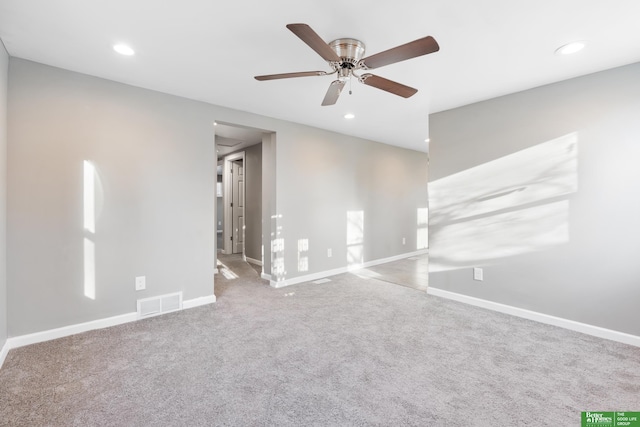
(345, 57)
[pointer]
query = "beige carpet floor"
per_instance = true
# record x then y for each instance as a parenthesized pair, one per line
(354, 351)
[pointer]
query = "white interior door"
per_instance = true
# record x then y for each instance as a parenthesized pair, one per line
(237, 206)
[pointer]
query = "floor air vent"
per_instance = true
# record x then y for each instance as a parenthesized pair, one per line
(154, 306)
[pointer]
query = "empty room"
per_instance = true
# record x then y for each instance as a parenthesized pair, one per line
(332, 214)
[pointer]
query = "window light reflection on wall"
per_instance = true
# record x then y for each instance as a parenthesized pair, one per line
(89, 219)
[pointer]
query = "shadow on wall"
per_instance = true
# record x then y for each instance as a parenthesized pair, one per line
(509, 206)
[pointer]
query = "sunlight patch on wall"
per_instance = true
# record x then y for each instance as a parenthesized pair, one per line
(355, 239)
(531, 175)
(89, 222)
(303, 255)
(278, 272)
(509, 206)
(277, 259)
(482, 240)
(89, 199)
(422, 231)
(89, 269)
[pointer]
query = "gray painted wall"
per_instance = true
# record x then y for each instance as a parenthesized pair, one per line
(155, 177)
(253, 202)
(156, 168)
(4, 73)
(541, 189)
(358, 198)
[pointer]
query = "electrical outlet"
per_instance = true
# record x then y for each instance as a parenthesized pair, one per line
(141, 283)
(478, 274)
(404, 241)
(329, 254)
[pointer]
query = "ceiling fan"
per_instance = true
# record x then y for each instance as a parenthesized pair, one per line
(345, 57)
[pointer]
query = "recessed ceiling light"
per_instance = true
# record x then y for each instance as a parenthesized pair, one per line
(349, 116)
(570, 48)
(427, 140)
(123, 49)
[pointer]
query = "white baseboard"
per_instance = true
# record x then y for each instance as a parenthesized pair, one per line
(51, 334)
(3, 352)
(346, 269)
(265, 276)
(307, 278)
(584, 328)
(196, 302)
(253, 261)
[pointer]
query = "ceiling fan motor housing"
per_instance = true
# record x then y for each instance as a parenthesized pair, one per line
(350, 51)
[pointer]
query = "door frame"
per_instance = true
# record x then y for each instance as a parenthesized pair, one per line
(227, 197)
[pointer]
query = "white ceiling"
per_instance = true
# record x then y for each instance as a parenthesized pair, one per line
(230, 138)
(210, 50)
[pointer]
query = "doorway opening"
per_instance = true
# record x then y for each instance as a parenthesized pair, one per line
(239, 195)
(233, 199)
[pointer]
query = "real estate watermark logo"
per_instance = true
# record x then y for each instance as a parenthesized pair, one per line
(610, 419)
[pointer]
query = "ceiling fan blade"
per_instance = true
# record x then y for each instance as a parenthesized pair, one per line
(313, 40)
(333, 92)
(406, 51)
(290, 75)
(388, 85)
